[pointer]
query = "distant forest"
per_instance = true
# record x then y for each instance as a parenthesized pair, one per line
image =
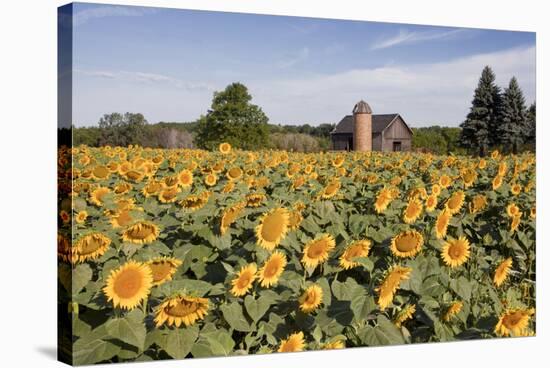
(300, 138)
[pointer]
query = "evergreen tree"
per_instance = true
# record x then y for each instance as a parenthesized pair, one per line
(233, 119)
(531, 125)
(513, 129)
(478, 130)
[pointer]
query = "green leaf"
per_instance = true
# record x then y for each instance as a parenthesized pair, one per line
(345, 290)
(462, 287)
(256, 308)
(362, 305)
(233, 314)
(82, 274)
(130, 329)
(93, 347)
(367, 263)
(217, 343)
(384, 333)
(178, 342)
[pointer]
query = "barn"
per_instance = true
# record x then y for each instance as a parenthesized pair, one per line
(387, 132)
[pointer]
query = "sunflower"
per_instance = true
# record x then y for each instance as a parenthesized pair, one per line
(122, 188)
(331, 189)
(230, 215)
(452, 310)
(407, 244)
(359, 248)
(317, 250)
(412, 211)
(469, 176)
(244, 279)
(121, 219)
(390, 285)
(81, 217)
(516, 220)
(404, 314)
(495, 154)
(152, 188)
(515, 189)
(295, 219)
(455, 251)
(171, 181)
(234, 173)
(255, 199)
(97, 195)
(512, 210)
(101, 172)
(135, 175)
(224, 148)
(482, 164)
(445, 181)
(311, 299)
(142, 232)
(502, 168)
(513, 322)
(436, 189)
(181, 309)
(497, 182)
(163, 268)
(295, 342)
(502, 271)
(533, 212)
(228, 187)
(455, 202)
(90, 246)
(210, 179)
(128, 285)
(195, 202)
(478, 203)
(272, 228)
(338, 161)
(65, 217)
(185, 178)
(431, 202)
(335, 344)
(272, 269)
(168, 195)
(442, 223)
(383, 199)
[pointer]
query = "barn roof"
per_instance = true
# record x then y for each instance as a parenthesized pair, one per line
(379, 123)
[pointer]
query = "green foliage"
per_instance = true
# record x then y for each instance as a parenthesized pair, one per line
(233, 119)
(436, 139)
(513, 129)
(479, 128)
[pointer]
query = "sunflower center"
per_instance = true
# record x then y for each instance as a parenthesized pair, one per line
(244, 280)
(101, 172)
(128, 283)
(512, 320)
(124, 218)
(90, 244)
(354, 251)
(140, 231)
(456, 251)
(133, 174)
(272, 227)
(331, 188)
(316, 249)
(182, 308)
(406, 243)
(310, 298)
(235, 172)
(271, 269)
(169, 194)
(454, 202)
(160, 270)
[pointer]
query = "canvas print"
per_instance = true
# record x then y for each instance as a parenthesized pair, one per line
(234, 184)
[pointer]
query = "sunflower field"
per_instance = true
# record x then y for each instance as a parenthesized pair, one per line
(177, 253)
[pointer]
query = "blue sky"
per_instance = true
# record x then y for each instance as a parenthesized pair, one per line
(166, 64)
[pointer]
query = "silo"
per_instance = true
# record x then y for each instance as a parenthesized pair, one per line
(362, 127)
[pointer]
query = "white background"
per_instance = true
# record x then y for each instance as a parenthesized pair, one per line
(28, 180)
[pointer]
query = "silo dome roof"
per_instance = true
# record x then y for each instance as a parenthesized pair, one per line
(362, 107)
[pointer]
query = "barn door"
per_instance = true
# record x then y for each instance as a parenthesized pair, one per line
(396, 146)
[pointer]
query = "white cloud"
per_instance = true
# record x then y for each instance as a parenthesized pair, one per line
(291, 60)
(437, 93)
(142, 77)
(83, 16)
(407, 37)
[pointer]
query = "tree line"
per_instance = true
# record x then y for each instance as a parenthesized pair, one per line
(498, 118)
